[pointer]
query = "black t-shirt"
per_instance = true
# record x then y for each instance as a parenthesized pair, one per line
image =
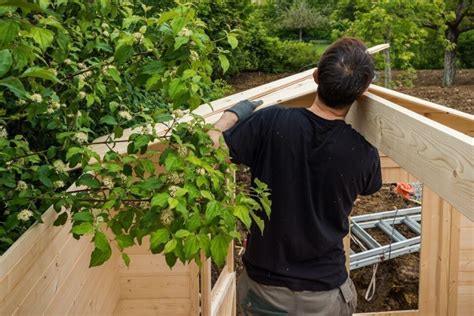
(315, 169)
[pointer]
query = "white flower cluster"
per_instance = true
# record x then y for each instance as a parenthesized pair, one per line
(185, 32)
(178, 113)
(3, 132)
(183, 151)
(82, 95)
(138, 37)
(173, 189)
(36, 98)
(96, 211)
(123, 177)
(53, 106)
(80, 137)
(85, 75)
(21, 186)
(60, 167)
(201, 171)
(194, 55)
(125, 115)
(104, 25)
(166, 217)
(24, 215)
(99, 219)
(58, 184)
(21, 102)
(106, 33)
(67, 61)
(174, 178)
(82, 65)
(108, 182)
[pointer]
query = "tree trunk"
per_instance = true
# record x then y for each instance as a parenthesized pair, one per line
(449, 71)
(301, 34)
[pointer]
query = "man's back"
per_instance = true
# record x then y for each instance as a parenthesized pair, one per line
(315, 169)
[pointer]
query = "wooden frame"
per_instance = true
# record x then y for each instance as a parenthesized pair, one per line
(46, 271)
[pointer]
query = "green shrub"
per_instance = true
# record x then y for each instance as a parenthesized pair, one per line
(466, 49)
(73, 71)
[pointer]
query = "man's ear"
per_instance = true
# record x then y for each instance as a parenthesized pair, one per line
(316, 76)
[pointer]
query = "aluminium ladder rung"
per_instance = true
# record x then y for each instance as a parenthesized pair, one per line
(414, 226)
(395, 221)
(383, 256)
(363, 236)
(390, 231)
(387, 214)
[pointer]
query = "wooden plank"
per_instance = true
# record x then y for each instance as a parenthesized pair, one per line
(454, 263)
(151, 287)
(194, 289)
(149, 264)
(455, 119)
(392, 313)
(93, 294)
(222, 293)
(467, 238)
(205, 286)
(436, 278)
(438, 156)
(153, 307)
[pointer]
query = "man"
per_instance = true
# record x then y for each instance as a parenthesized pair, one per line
(315, 165)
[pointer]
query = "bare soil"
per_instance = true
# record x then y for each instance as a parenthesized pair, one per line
(397, 280)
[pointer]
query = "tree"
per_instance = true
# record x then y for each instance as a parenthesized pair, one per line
(300, 15)
(450, 19)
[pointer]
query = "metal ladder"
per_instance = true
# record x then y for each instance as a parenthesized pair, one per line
(372, 251)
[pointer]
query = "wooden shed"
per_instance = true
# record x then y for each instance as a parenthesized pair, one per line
(46, 271)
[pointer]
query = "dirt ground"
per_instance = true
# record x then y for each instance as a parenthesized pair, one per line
(396, 280)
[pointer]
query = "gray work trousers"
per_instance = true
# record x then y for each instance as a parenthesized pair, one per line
(263, 300)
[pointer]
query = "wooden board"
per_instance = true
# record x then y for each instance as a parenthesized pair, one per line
(440, 157)
(153, 307)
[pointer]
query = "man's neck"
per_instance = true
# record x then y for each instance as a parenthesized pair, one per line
(322, 110)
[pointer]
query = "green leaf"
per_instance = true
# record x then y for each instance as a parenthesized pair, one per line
(89, 181)
(39, 72)
(224, 62)
(126, 259)
(182, 233)
(219, 247)
(159, 200)
(114, 73)
(257, 220)
(243, 213)
(15, 86)
(212, 210)
(83, 228)
(9, 30)
(208, 195)
(180, 41)
(5, 61)
(123, 53)
(170, 246)
(101, 242)
(176, 88)
(98, 257)
(170, 259)
(109, 120)
(83, 216)
(232, 40)
(172, 162)
(73, 151)
(158, 238)
(61, 219)
(124, 241)
(43, 37)
(191, 246)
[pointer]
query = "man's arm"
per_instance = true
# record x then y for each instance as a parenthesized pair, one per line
(230, 117)
(227, 120)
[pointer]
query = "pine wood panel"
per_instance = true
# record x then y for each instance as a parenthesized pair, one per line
(465, 299)
(153, 307)
(154, 287)
(148, 264)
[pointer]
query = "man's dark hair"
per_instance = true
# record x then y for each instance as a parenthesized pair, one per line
(345, 71)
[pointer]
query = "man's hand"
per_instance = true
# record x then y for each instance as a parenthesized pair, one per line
(244, 108)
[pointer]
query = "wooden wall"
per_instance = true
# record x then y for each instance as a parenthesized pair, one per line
(465, 298)
(150, 287)
(46, 272)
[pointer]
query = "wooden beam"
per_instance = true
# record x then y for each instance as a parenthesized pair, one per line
(440, 157)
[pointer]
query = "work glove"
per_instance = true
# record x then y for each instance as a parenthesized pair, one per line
(244, 108)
